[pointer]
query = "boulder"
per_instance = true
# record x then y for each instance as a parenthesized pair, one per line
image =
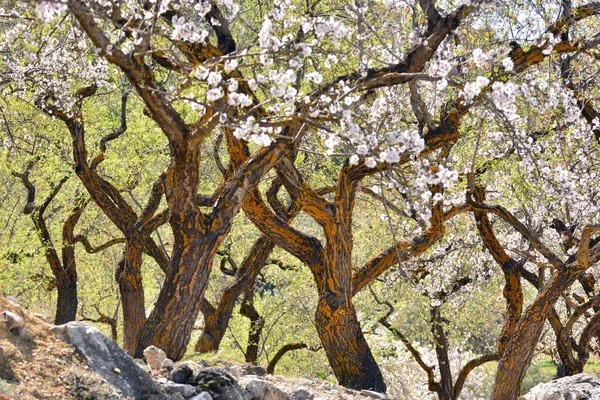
(154, 358)
(576, 387)
(263, 390)
(106, 359)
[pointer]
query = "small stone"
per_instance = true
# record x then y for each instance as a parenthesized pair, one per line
(373, 394)
(13, 322)
(183, 372)
(203, 363)
(202, 396)
(183, 389)
(42, 317)
(257, 388)
(162, 380)
(262, 390)
(167, 364)
(302, 393)
(220, 384)
(177, 396)
(154, 357)
(117, 371)
(234, 370)
(254, 370)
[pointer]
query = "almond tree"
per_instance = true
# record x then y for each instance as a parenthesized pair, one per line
(198, 234)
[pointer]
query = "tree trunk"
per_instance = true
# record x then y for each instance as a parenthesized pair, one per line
(66, 305)
(129, 278)
(172, 320)
(519, 352)
(347, 350)
(256, 325)
(339, 330)
(215, 326)
(441, 351)
(217, 319)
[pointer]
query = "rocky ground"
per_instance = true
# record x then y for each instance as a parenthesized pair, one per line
(75, 361)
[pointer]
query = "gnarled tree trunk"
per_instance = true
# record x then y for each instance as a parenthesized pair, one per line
(257, 322)
(170, 324)
(217, 318)
(337, 324)
(519, 352)
(215, 325)
(129, 278)
(344, 343)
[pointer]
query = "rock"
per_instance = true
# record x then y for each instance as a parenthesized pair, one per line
(374, 395)
(167, 364)
(219, 384)
(177, 396)
(12, 299)
(234, 371)
(257, 370)
(154, 357)
(181, 388)
(302, 393)
(102, 356)
(580, 386)
(257, 389)
(202, 396)
(263, 390)
(42, 317)
(183, 372)
(14, 323)
(203, 363)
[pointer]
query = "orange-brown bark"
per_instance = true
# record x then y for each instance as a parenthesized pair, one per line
(337, 324)
(519, 352)
(564, 343)
(129, 278)
(217, 318)
(513, 292)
